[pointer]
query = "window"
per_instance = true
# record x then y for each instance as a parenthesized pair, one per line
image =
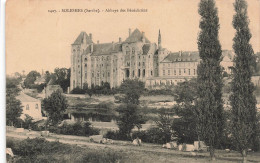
(139, 64)
(163, 72)
(179, 71)
(36, 106)
(133, 50)
(86, 59)
(169, 72)
(27, 107)
(133, 73)
(85, 65)
(169, 65)
(194, 72)
(92, 74)
(174, 72)
(139, 72)
(108, 74)
(151, 73)
(143, 72)
(184, 71)
(143, 64)
(189, 71)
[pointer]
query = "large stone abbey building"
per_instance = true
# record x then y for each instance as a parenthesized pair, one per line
(136, 57)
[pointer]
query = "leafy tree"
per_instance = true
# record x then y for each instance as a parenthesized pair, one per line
(242, 99)
(133, 90)
(30, 78)
(129, 117)
(165, 126)
(185, 94)
(209, 110)
(62, 76)
(55, 105)
(13, 106)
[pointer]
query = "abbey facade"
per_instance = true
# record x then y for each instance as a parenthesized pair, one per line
(136, 57)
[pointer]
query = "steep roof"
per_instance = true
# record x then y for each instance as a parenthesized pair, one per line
(80, 39)
(146, 48)
(25, 98)
(182, 57)
(136, 36)
(104, 49)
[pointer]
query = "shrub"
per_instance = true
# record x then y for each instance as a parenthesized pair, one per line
(78, 90)
(78, 128)
(115, 135)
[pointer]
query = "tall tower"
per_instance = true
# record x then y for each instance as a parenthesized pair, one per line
(159, 40)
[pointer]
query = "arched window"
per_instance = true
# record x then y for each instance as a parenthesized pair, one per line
(143, 72)
(127, 50)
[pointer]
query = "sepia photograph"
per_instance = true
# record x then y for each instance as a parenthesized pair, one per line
(132, 81)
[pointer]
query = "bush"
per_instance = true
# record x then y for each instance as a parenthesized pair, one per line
(40, 150)
(152, 135)
(78, 128)
(78, 90)
(115, 135)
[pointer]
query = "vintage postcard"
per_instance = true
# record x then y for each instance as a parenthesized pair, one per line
(132, 81)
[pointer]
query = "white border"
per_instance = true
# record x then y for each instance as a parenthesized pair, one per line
(2, 81)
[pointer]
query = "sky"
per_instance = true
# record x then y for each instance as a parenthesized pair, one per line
(37, 39)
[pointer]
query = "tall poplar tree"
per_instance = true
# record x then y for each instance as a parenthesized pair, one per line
(242, 99)
(209, 110)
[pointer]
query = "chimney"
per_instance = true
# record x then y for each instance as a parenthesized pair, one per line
(97, 41)
(129, 31)
(143, 36)
(91, 48)
(90, 36)
(180, 53)
(113, 45)
(120, 40)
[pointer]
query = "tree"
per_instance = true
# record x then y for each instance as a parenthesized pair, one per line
(242, 99)
(133, 90)
(165, 125)
(30, 78)
(129, 117)
(13, 106)
(185, 94)
(62, 76)
(209, 109)
(55, 105)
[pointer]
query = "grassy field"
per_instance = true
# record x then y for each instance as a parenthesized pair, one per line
(44, 151)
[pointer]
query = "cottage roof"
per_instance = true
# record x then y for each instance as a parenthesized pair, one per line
(182, 57)
(25, 98)
(40, 80)
(80, 39)
(136, 36)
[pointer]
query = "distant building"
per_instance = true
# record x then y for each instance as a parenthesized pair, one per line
(31, 106)
(136, 57)
(50, 88)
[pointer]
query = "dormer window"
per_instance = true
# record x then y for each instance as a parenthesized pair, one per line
(36, 106)
(27, 107)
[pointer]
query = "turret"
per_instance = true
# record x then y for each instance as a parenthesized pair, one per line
(159, 40)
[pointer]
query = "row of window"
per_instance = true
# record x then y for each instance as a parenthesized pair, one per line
(179, 64)
(28, 106)
(180, 72)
